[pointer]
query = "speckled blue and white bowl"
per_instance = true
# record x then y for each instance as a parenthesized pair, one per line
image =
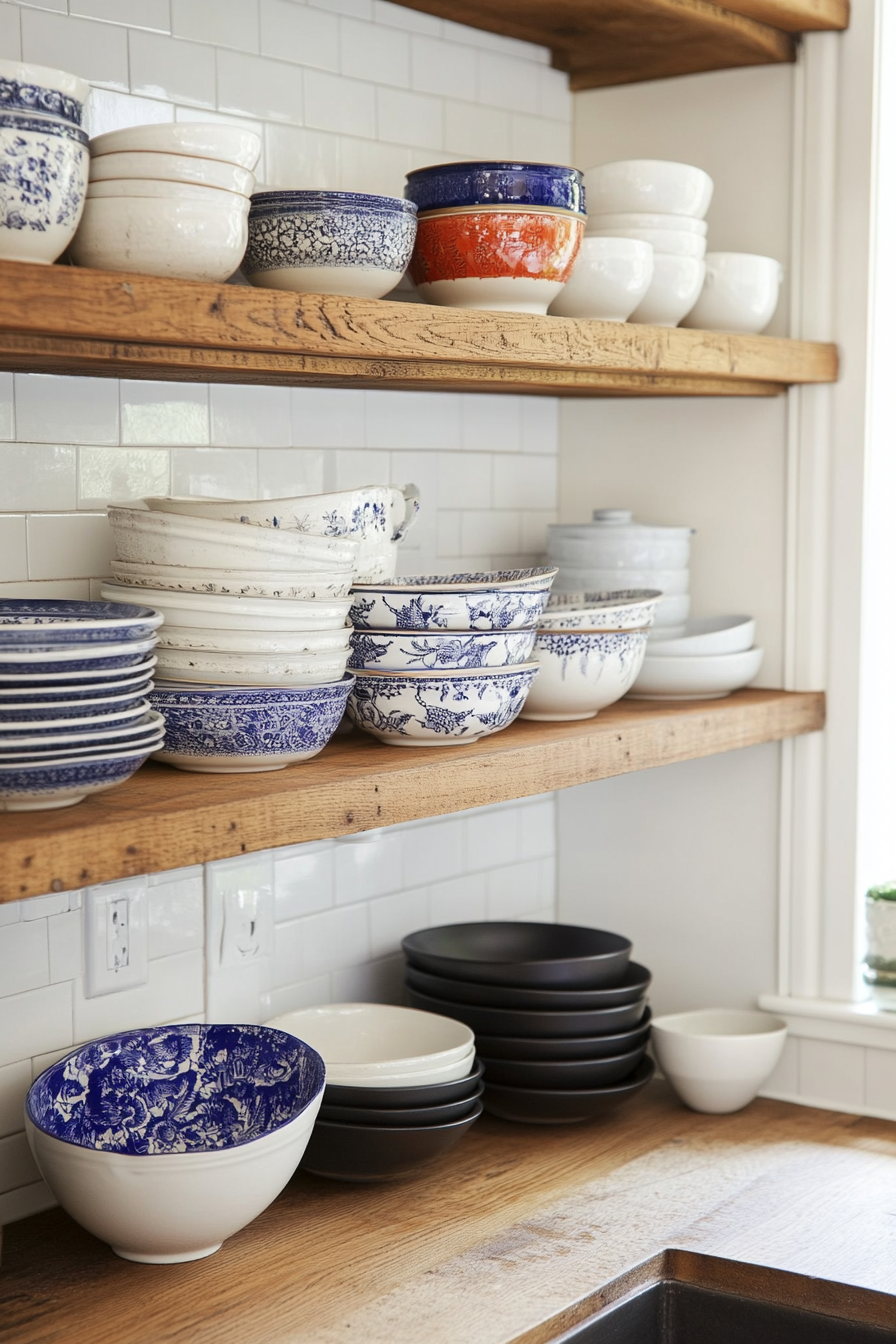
(223, 730)
(504, 600)
(447, 186)
(60, 782)
(164, 1141)
(329, 242)
(438, 709)
(400, 651)
(52, 624)
(583, 671)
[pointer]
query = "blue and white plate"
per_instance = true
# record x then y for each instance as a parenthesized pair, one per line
(101, 718)
(41, 786)
(32, 623)
(83, 664)
(118, 681)
(111, 734)
(40, 709)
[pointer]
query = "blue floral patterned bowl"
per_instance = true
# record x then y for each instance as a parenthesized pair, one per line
(504, 600)
(438, 709)
(42, 91)
(584, 671)
(394, 651)
(45, 168)
(329, 242)
(26, 623)
(40, 786)
(447, 186)
(164, 1141)
(224, 730)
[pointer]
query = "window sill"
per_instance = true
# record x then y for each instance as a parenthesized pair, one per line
(835, 1020)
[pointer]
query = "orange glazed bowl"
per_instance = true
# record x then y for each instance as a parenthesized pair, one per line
(505, 258)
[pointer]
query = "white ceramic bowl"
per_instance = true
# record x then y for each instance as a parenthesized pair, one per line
(214, 611)
(702, 678)
(671, 242)
(439, 709)
(672, 612)
(576, 578)
(196, 139)
(503, 600)
(621, 610)
(201, 639)
(654, 185)
(45, 165)
(300, 586)
(432, 650)
(740, 293)
(609, 280)
(252, 669)
(673, 291)
(592, 545)
(642, 220)
(146, 538)
(718, 1058)
(169, 191)
(582, 672)
(174, 168)
(183, 240)
(709, 635)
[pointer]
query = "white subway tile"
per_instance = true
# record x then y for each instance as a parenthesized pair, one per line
(514, 891)
(59, 6)
(34, 1022)
(166, 413)
(13, 546)
(303, 879)
(10, 32)
(225, 23)
(174, 989)
(371, 982)
(413, 117)
(439, 67)
(39, 1063)
(259, 86)
(7, 396)
(17, 1166)
(76, 544)
(784, 1081)
(333, 940)
(238, 993)
(489, 532)
(396, 16)
(474, 130)
(493, 838)
(24, 959)
(301, 159)
(289, 471)
(249, 416)
(510, 47)
(298, 33)
(76, 589)
(355, 9)
(465, 480)
(118, 475)
(541, 425)
(413, 419)
(289, 998)
(38, 476)
(448, 534)
(154, 14)
(392, 917)
(55, 409)
(110, 110)
(15, 1080)
(533, 137)
(365, 165)
(534, 530)
(370, 868)
(289, 942)
(547, 885)
(348, 468)
(524, 482)
(555, 99)
(11, 912)
(64, 936)
(41, 907)
(163, 67)
(327, 418)
(216, 473)
(176, 913)
(465, 564)
(493, 424)
(538, 829)
(334, 103)
(375, 52)
(506, 82)
(461, 901)
(433, 852)
(880, 1080)
(832, 1073)
(98, 51)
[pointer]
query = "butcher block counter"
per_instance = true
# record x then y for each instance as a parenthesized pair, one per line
(508, 1238)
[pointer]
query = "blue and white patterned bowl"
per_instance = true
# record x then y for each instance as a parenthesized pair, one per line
(40, 786)
(628, 609)
(583, 671)
(25, 623)
(231, 730)
(43, 91)
(438, 709)
(447, 186)
(391, 651)
(163, 1141)
(147, 730)
(329, 242)
(42, 185)
(505, 600)
(130, 681)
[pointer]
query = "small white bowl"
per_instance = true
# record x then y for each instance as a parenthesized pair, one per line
(591, 545)
(609, 280)
(718, 1058)
(201, 639)
(299, 586)
(673, 291)
(214, 611)
(582, 672)
(708, 678)
(739, 294)
(668, 242)
(709, 635)
(146, 538)
(197, 139)
(169, 191)
(655, 185)
(182, 240)
(672, 612)
(372, 1044)
(626, 610)
(581, 578)
(640, 219)
(174, 168)
(252, 669)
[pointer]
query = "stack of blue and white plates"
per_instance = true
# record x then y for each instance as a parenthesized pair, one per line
(74, 717)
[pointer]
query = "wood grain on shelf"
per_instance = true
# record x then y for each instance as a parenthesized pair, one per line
(60, 319)
(165, 818)
(506, 1238)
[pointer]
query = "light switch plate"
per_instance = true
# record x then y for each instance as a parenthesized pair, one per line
(116, 937)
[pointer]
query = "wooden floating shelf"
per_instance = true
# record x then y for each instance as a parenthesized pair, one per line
(601, 42)
(165, 818)
(58, 319)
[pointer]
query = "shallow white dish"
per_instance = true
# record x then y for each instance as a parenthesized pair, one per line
(196, 139)
(673, 291)
(708, 678)
(174, 168)
(659, 186)
(576, 578)
(168, 191)
(609, 280)
(718, 1058)
(214, 611)
(253, 669)
(143, 537)
(625, 610)
(740, 293)
(201, 639)
(671, 242)
(182, 240)
(85, 686)
(582, 672)
(709, 635)
(642, 219)
(300, 586)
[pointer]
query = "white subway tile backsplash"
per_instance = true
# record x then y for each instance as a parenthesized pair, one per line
(473, 130)
(226, 23)
(368, 866)
(349, 468)
(440, 67)
(533, 137)
(493, 837)
(168, 413)
(334, 103)
(77, 544)
(433, 852)
(163, 67)
(35, 1022)
(540, 426)
(488, 532)
(392, 917)
(153, 14)
(514, 891)
(373, 51)
(259, 87)
(24, 957)
(413, 117)
(97, 51)
(298, 158)
(505, 82)
(447, 534)
(10, 913)
(397, 16)
(373, 982)
(10, 32)
(176, 916)
(15, 1080)
(520, 482)
(538, 828)
(249, 416)
(13, 546)
(534, 530)
(368, 165)
(333, 940)
(324, 417)
(413, 419)
(55, 903)
(459, 901)
(295, 32)
(493, 424)
(354, 9)
(64, 939)
(216, 473)
(512, 47)
(296, 471)
(174, 989)
(53, 409)
(38, 476)
(119, 475)
(289, 998)
(7, 402)
(303, 879)
(465, 480)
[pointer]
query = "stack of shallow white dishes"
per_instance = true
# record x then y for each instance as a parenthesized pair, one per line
(614, 553)
(714, 657)
(169, 200)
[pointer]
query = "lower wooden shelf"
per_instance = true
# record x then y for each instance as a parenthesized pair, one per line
(164, 818)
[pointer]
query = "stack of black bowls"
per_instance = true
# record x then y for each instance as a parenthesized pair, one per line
(559, 1011)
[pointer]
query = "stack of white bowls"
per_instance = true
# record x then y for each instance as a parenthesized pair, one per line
(613, 552)
(663, 204)
(169, 200)
(713, 657)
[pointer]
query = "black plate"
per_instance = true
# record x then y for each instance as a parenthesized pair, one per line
(560, 1074)
(528, 1022)
(543, 1106)
(559, 956)
(402, 1116)
(433, 1094)
(575, 1047)
(368, 1153)
(634, 985)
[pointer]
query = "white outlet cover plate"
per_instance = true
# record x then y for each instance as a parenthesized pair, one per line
(101, 976)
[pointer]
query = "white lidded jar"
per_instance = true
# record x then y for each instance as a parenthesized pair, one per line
(613, 540)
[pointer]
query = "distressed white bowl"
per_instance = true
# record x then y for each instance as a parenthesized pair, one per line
(214, 611)
(434, 650)
(183, 240)
(626, 610)
(174, 168)
(591, 545)
(659, 186)
(718, 1058)
(45, 164)
(740, 293)
(196, 139)
(642, 219)
(609, 279)
(252, 669)
(146, 538)
(300, 586)
(671, 242)
(168, 191)
(201, 639)
(709, 635)
(583, 671)
(435, 709)
(671, 582)
(673, 291)
(702, 678)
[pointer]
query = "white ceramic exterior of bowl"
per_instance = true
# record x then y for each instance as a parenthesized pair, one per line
(196, 139)
(740, 293)
(582, 672)
(439, 709)
(146, 538)
(301, 586)
(168, 191)
(673, 291)
(46, 77)
(708, 678)
(171, 1207)
(718, 1058)
(213, 611)
(657, 186)
(494, 294)
(575, 578)
(671, 242)
(423, 603)
(671, 612)
(609, 280)
(631, 610)
(183, 240)
(47, 179)
(252, 669)
(438, 650)
(201, 639)
(592, 545)
(371, 1043)
(174, 168)
(709, 635)
(642, 220)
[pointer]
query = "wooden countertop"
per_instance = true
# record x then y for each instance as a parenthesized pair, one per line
(503, 1235)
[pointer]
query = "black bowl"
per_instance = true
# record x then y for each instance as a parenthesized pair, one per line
(389, 1098)
(528, 1022)
(572, 1047)
(560, 956)
(402, 1116)
(369, 1153)
(560, 1074)
(634, 985)
(544, 1106)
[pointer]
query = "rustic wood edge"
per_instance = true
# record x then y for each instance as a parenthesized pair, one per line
(163, 818)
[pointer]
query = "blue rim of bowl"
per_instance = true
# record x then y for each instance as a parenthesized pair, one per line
(497, 166)
(329, 200)
(31, 121)
(29, 97)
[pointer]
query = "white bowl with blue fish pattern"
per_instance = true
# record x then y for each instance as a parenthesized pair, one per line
(439, 709)
(583, 671)
(504, 600)
(428, 650)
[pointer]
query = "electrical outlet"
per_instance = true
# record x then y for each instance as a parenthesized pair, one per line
(248, 929)
(115, 937)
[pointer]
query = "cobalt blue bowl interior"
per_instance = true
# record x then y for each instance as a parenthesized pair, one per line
(30, 622)
(193, 1088)
(452, 185)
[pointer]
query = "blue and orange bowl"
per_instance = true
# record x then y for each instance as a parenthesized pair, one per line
(544, 186)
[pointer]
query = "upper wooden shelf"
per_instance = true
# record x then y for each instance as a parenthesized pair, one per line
(602, 42)
(58, 319)
(164, 818)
